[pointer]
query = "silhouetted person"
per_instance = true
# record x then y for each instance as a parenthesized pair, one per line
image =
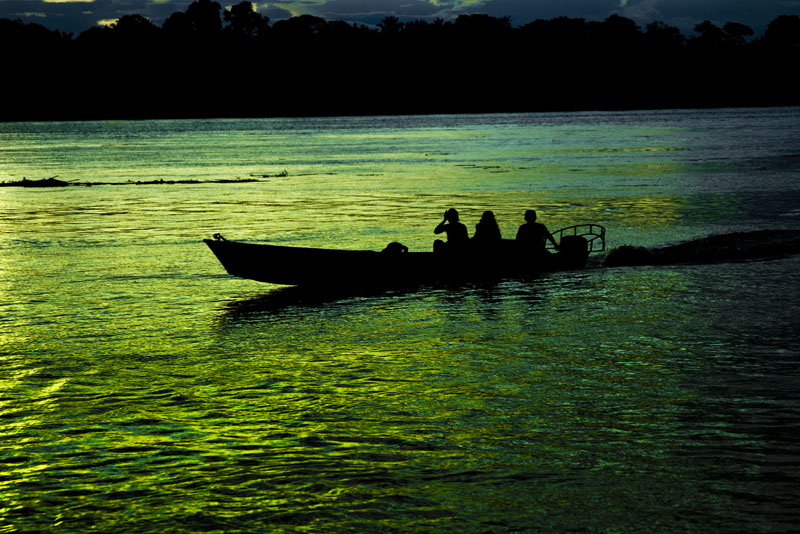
(457, 235)
(487, 231)
(534, 235)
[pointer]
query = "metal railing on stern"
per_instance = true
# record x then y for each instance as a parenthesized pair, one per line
(594, 234)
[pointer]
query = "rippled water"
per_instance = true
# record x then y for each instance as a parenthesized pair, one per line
(142, 389)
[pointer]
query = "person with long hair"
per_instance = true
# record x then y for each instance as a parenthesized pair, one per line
(487, 230)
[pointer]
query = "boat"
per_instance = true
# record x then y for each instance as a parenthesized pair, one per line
(395, 265)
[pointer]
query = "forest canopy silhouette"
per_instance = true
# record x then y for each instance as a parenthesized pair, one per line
(214, 62)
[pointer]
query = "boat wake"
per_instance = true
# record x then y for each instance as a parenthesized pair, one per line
(738, 246)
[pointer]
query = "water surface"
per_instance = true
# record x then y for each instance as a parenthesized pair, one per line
(141, 388)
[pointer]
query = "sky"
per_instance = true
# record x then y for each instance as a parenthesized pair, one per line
(76, 16)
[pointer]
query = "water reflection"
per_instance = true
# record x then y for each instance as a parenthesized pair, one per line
(585, 397)
(141, 388)
(287, 297)
(486, 295)
(451, 404)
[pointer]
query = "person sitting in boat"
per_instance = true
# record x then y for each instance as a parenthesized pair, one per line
(457, 234)
(534, 235)
(487, 230)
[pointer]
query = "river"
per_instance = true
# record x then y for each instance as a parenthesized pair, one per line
(143, 389)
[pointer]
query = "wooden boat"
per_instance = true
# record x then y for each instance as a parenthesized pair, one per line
(284, 265)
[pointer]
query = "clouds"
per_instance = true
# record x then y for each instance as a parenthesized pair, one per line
(524, 12)
(373, 11)
(521, 12)
(685, 14)
(78, 15)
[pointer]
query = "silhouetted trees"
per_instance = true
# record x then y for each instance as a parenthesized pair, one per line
(207, 61)
(245, 23)
(783, 33)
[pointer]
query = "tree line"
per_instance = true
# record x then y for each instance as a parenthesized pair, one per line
(213, 62)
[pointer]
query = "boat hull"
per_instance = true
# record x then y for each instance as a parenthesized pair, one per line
(283, 265)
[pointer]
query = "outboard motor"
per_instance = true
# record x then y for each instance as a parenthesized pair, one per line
(574, 251)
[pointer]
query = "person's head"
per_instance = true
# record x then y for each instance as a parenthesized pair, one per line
(530, 216)
(487, 216)
(451, 215)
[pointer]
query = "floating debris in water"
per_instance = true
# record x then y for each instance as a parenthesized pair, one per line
(283, 174)
(53, 182)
